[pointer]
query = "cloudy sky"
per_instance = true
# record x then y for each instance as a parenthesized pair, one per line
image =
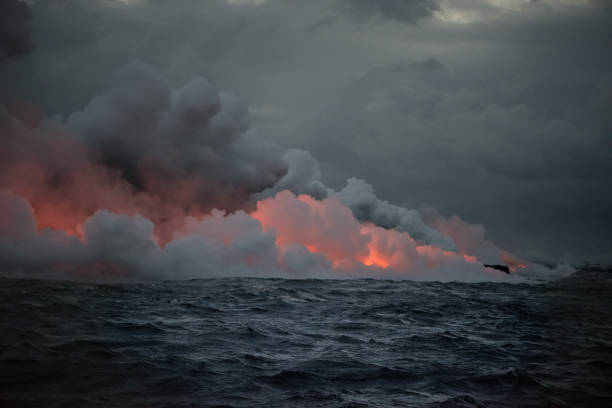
(494, 110)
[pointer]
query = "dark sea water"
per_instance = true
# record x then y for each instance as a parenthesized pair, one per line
(306, 343)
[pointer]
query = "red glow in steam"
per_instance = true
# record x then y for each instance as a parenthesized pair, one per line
(325, 227)
(328, 228)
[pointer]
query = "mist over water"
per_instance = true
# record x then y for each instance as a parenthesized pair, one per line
(239, 342)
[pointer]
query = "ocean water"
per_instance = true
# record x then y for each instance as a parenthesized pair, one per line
(306, 343)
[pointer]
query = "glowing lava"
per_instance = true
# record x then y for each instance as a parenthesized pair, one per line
(328, 227)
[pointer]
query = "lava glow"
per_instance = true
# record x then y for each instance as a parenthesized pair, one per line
(433, 254)
(327, 227)
(376, 259)
(47, 218)
(515, 264)
(323, 233)
(322, 227)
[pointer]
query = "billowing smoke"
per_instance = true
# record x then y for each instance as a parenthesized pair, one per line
(139, 148)
(359, 196)
(303, 177)
(146, 182)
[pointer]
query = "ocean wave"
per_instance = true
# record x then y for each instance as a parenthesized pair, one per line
(273, 342)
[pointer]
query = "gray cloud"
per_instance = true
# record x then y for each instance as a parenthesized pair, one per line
(15, 39)
(408, 11)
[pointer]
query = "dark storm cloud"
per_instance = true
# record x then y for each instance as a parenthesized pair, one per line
(15, 38)
(481, 154)
(495, 111)
(407, 11)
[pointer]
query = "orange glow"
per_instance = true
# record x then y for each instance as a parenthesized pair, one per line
(469, 258)
(327, 227)
(512, 261)
(46, 217)
(65, 185)
(376, 259)
(434, 256)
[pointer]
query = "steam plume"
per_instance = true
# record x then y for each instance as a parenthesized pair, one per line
(148, 182)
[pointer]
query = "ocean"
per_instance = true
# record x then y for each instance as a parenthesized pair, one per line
(306, 343)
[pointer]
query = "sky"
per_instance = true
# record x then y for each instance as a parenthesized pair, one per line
(495, 111)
